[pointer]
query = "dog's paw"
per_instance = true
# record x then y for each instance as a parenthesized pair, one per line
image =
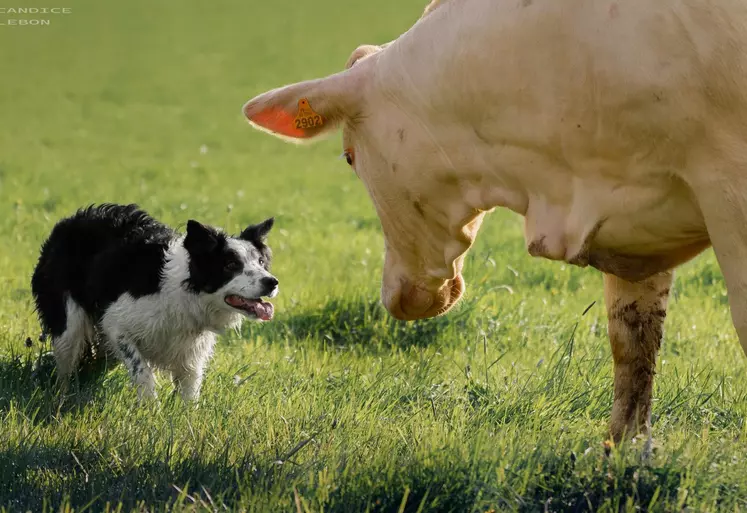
(146, 394)
(44, 369)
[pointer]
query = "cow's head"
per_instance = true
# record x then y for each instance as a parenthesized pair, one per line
(400, 148)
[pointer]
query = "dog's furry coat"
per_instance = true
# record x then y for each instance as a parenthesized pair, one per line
(111, 280)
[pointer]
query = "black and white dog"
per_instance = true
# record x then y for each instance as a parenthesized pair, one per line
(113, 280)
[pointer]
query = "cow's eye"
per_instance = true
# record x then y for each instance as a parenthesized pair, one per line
(348, 155)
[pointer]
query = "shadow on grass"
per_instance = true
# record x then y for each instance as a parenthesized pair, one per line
(347, 322)
(38, 478)
(28, 384)
(556, 485)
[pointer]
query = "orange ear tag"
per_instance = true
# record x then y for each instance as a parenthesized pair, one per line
(306, 117)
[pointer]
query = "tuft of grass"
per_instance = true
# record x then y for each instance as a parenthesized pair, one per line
(334, 406)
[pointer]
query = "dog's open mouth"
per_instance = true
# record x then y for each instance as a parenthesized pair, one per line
(261, 309)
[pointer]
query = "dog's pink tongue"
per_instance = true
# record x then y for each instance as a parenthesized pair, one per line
(264, 310)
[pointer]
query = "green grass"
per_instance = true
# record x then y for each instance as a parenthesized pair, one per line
(333, 406)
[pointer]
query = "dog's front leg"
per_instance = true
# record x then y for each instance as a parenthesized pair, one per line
(636, 313)
(188, 373)
(188, 382)
(140, 372)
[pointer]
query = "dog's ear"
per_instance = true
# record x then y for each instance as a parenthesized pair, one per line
(258, 232)
(200, 238)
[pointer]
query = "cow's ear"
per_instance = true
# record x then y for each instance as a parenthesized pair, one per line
(308, 109)
(362, 52)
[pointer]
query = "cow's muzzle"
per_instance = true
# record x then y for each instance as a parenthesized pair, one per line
(412, 302)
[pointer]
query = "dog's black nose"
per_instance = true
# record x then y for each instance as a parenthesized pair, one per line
(269, 282)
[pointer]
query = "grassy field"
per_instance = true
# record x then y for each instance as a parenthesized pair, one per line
(501, 405)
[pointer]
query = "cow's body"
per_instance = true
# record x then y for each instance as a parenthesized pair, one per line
(591, 135)
(617, 129)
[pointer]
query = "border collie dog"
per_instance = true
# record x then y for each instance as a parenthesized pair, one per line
(112, 280)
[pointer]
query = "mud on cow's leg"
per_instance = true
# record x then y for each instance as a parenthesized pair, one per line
(636, 313)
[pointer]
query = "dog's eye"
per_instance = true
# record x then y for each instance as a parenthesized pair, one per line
(261, 261)
(233, 266)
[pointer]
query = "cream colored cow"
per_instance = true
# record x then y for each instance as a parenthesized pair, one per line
(617, 129)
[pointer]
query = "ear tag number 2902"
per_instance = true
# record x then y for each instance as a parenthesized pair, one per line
(306, 117)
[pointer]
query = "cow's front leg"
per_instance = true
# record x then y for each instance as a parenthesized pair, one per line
(636, 313)
(723, 200)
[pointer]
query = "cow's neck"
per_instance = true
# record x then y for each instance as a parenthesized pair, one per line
(585, 213)
(492, 177)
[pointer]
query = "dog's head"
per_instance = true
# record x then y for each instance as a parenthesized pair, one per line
(234, 271)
